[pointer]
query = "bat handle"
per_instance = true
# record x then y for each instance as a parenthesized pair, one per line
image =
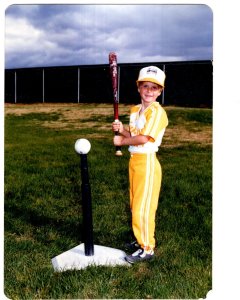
(118, 148)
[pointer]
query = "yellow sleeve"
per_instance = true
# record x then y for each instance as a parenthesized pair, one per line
(156, 121)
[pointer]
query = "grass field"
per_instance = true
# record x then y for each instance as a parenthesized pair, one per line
(43, 204)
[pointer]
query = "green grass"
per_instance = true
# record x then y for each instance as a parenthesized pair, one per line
(43, 213)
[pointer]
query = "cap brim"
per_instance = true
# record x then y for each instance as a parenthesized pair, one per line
(150, 80)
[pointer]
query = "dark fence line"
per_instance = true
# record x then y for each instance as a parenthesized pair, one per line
(188, 83)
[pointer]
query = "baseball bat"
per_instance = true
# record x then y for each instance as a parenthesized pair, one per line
(114, 77)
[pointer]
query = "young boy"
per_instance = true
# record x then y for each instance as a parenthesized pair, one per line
(148, 121)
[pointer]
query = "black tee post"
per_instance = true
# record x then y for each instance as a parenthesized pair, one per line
(87, 208)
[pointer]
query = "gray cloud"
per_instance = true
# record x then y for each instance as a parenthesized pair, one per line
(44, 35)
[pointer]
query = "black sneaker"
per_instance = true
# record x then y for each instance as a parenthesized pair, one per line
(132, 246)
(138, 256)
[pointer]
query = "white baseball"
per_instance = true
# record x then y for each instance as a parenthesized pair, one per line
(82, 146)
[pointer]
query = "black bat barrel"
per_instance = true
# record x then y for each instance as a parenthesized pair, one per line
(87, 208)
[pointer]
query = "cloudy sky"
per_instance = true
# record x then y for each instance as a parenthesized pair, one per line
(59, 35)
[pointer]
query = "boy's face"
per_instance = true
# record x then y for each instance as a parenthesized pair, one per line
(149, 91)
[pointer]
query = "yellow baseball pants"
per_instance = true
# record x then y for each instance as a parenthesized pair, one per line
(145, 176)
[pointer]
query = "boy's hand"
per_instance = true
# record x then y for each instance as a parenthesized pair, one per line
(117, 126)
(117, 140)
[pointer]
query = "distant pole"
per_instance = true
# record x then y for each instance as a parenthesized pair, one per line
(78, 85)
(163, 92)
(118, 82)
(15, 87)
(43, 85)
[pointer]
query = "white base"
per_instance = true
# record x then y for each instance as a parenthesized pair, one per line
(75, 259)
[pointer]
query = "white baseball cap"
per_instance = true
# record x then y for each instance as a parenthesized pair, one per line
(152, 74)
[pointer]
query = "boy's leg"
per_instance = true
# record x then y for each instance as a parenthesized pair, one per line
(145, 182)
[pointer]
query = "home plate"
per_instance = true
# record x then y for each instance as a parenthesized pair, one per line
(75, 258)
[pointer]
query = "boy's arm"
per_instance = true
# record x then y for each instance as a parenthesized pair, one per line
(118, 126)
(125, 133)
(130, 140)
